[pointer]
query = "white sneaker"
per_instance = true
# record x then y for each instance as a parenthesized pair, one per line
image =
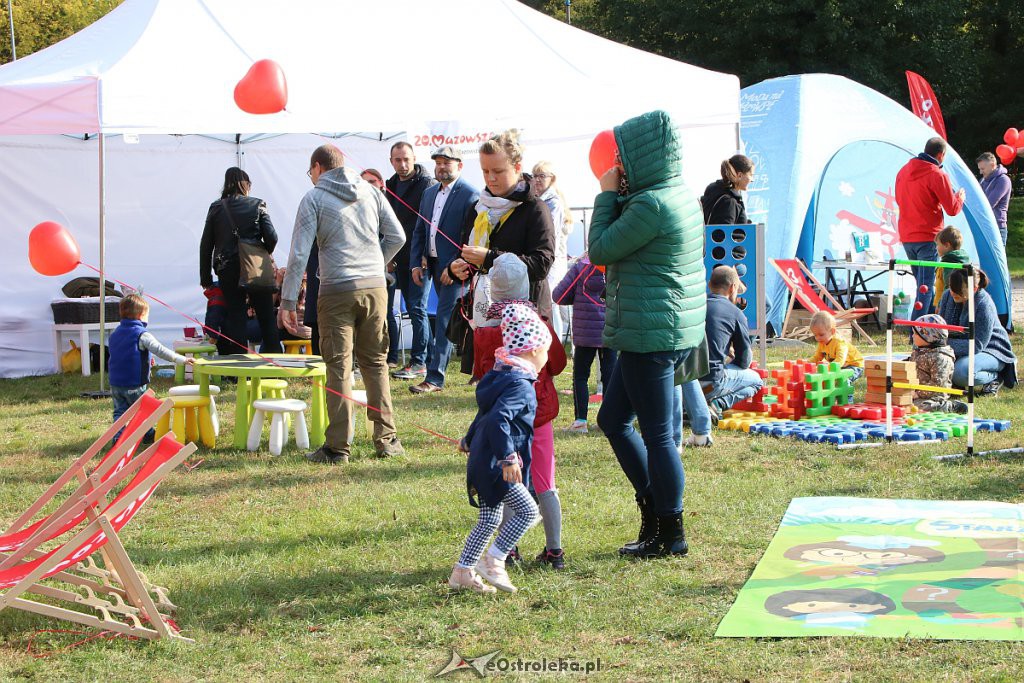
(577, 427)
(466, 579)
(699, 441)
(493, 571)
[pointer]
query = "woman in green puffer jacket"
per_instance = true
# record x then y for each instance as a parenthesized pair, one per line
(647, 230)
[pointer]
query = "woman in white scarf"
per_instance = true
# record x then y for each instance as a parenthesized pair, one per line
(510, 218)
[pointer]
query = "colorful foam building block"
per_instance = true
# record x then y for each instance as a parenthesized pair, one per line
(755, 403)
(866, 411)
(827, 387)
(789, 390)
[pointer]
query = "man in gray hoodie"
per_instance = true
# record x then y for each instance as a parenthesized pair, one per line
(357, 233)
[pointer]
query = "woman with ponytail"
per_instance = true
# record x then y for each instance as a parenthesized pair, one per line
(722, 201)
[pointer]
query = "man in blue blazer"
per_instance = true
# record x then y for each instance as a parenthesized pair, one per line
(448, 205)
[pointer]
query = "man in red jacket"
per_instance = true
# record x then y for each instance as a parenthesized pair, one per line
(923, 192)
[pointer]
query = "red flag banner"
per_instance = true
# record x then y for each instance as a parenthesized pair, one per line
(925, 104)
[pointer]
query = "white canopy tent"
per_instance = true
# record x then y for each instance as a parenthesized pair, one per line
(155, 78)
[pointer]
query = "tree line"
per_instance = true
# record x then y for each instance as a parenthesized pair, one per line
(41, 23)
(971, 51)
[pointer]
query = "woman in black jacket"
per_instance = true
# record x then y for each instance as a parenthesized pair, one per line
(237, 216)
(722, 201)
(510, 218)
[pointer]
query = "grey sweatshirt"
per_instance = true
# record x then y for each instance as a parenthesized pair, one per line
(355, 229)
(148, 342)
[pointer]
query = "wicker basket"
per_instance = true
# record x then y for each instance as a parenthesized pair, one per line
(83, 311)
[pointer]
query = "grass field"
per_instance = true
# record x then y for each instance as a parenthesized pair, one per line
(286, 571)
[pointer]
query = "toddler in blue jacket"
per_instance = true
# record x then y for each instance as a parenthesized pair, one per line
(498, 444)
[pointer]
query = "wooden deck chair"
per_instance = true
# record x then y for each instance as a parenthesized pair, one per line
(137, 420)
(799, 281)
(138, 616)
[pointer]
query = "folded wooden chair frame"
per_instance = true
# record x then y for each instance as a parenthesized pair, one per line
(118, 594)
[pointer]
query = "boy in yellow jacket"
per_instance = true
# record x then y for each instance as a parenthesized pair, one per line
(833, 349)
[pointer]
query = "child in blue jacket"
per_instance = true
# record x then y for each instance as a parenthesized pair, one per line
(498, 443)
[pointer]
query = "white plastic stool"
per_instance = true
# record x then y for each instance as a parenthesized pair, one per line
(360, 395)
(193, 390)
(278, 409)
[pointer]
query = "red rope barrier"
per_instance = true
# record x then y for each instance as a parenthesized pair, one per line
(934, 326)
(261, 356)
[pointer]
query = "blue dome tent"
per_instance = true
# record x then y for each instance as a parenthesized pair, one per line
(827, 151)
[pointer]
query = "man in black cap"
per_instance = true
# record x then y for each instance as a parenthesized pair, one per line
(405, 190)
(448, 206)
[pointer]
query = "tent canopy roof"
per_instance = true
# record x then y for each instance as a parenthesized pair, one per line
(170, 66)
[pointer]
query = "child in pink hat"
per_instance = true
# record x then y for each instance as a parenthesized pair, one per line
(498, 443)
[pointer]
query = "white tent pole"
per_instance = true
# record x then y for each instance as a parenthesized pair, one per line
(103, 271)
(10, 15)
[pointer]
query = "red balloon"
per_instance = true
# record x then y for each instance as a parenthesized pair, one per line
(263, 90)
(602, 153)
(923, 289)
(918, 305)
(1010, 136)
(52, 250)
(1020, 141)
(1006, 154)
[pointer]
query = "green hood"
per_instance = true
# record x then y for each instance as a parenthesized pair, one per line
(957, 256)
(650, 150)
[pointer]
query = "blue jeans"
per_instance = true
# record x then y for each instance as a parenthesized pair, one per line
(441, 348)
(583, 359)
(1002, 234)
(641, 388)
(986, 369)
(689, 398)
(124, 398)
(922, 251)
(737, 384)
(856, 373)
(415, 297)
(394, 331)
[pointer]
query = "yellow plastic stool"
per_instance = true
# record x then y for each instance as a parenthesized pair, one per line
(297, 346)
(191, 422)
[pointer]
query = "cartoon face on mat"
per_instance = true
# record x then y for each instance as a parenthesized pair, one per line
(840, 553)
(799, 604)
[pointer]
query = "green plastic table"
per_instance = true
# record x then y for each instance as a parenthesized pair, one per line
(250, 369)
(196, 350)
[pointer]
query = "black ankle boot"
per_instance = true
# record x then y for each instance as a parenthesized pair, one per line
(670, 540)
(648, 526)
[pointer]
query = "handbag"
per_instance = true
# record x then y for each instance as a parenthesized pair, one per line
(256, 265)
(458, 324)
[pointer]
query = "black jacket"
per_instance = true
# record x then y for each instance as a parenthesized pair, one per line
(529, 234)
(723, 205)
(218, 247)
(410, 195)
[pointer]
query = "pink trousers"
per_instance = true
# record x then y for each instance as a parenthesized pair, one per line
(542, 464)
